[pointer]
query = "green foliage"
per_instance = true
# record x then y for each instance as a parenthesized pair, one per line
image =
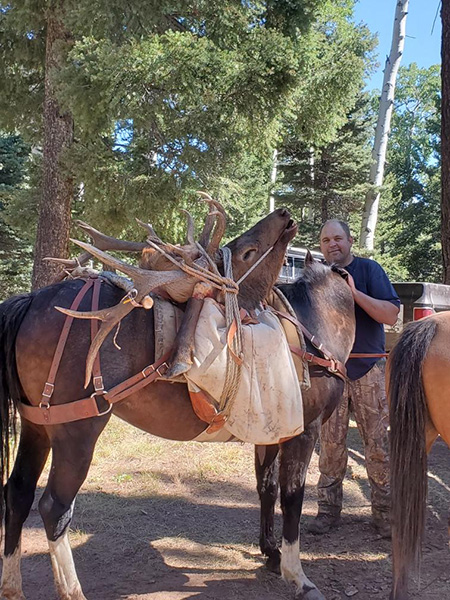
(15, 252)
(409, 224)
(171, 97)
(328, 181)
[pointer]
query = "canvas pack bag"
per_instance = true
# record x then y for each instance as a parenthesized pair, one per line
(267, 406)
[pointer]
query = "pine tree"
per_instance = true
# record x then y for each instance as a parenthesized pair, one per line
(15, 252)
(328, 181)
(145, 103)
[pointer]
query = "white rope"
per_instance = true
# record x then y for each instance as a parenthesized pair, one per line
(233, 370)
(260, 259)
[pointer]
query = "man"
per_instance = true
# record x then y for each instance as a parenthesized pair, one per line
(375, 303)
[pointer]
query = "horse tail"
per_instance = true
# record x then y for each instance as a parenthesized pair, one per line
(12, 312)
(408, 457)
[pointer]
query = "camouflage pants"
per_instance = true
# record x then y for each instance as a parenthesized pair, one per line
(366, 399)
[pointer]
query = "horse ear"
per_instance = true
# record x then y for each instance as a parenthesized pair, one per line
(308, 259)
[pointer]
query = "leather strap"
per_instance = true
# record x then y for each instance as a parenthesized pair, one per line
(97, 379)
(50, 414)
(49, 386)
(334, 366)
(87, 407)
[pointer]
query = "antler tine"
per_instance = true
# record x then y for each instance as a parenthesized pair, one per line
(110, 317)
(106, 242)
(190, 234)
(218, 234)
(207, 228)
(151, 232)
(142, 278)
(71, 263)
(207, 198)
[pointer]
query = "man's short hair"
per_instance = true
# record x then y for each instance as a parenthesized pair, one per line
(343, 224)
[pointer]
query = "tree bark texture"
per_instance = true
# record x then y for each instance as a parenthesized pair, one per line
(52, 238)
(445, 139)
(370, 214)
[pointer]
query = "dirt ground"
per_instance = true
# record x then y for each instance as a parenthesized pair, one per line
(160, 520)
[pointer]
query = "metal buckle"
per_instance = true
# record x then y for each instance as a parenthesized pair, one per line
(317, 345)
(165, 365)
(144, 371)
(48, 390)
(44, 404)
(152, 369)
(98, 384)
(333, 367)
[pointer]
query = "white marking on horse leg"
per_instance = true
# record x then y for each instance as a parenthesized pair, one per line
(11, 586)
(67, 585)
(291, 567)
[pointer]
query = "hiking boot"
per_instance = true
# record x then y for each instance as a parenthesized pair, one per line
(383, 527)
(323, 523)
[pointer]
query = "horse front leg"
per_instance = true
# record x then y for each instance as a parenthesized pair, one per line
(266, 468)
(19, 494)
(72, 450)
(294, 460)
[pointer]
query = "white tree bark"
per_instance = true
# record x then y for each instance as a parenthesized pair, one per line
(273, 179)
(370, 214)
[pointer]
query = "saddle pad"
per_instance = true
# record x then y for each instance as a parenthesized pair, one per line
(280, 303)
(268, 405)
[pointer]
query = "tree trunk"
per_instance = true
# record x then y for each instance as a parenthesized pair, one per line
(445, 139)
(370, 214)
(273, 180)
(52, 237)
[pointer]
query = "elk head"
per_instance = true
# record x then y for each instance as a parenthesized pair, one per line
(274, 231)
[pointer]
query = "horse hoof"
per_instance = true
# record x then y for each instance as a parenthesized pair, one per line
(309, 594)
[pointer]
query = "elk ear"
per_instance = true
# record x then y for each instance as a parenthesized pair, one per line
(308, 259)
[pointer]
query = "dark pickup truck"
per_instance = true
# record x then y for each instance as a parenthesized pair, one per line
(418, 299)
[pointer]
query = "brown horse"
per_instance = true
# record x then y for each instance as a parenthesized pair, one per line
(29, 331)
(418, 377)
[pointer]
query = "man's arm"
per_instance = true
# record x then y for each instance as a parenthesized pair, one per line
(382, 311)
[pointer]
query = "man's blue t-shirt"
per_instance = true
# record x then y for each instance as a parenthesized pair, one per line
(370, 279)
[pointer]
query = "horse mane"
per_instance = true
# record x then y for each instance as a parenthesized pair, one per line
(315, 274)
(317, 296)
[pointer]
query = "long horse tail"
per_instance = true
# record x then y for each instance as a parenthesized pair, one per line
(12, 312)
(408, 412)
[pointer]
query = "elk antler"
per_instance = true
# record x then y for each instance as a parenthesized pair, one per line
(190, 234)
(101, 241)
(151, 232)
(144, 281)
(106, 242)
(213, 245)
